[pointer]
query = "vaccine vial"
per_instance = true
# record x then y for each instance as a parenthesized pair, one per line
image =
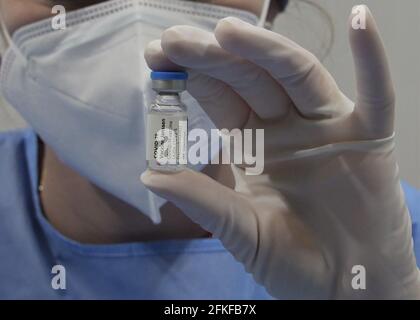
(167, 123)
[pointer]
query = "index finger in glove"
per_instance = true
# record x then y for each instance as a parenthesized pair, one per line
(199, 50)
(375, 89)
(310, 86)
(215, 97)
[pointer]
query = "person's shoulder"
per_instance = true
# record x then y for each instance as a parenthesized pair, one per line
(412, 196)
(16, 140)
(18, 157)
(18, 149)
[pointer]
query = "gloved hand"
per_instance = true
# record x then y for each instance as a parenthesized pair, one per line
(330, 196)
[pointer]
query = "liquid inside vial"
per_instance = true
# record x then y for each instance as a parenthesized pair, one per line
(167, 128)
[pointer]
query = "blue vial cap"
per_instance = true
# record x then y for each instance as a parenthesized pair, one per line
(161, 75)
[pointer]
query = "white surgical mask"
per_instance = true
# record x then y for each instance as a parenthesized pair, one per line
(85, 89)
(4, 36)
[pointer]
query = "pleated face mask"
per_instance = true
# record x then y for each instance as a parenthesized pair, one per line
(85, 89)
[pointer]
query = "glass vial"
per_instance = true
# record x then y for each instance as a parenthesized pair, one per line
(167, 123)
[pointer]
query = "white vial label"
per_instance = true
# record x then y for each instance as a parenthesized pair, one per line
(167, 139)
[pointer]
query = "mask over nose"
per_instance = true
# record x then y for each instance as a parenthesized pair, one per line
(85, 90)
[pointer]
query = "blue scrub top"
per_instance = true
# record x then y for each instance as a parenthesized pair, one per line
(30, 247)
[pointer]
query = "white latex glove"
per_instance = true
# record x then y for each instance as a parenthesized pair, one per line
(330, 196)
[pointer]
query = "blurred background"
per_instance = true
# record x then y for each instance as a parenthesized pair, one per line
(319, 24)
